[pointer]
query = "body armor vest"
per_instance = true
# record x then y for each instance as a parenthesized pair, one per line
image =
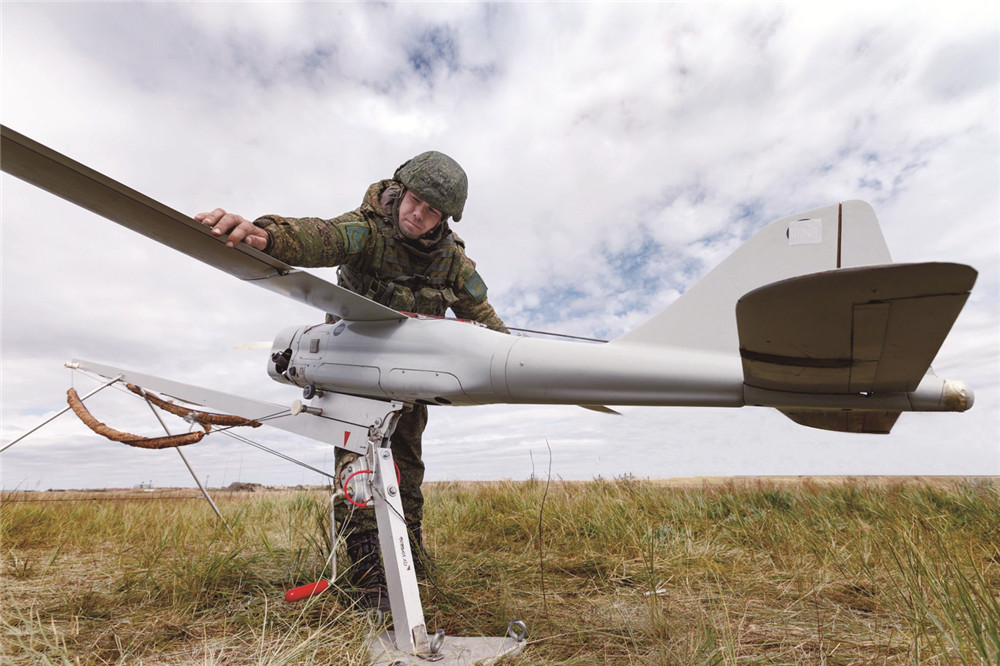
(404, 277)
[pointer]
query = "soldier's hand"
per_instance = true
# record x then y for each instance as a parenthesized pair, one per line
(238, 227)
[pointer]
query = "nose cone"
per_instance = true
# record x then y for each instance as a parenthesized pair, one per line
(957, 396)
(277, 364)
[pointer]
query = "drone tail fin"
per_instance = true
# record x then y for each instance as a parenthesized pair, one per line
(821, 318)
(837, 236)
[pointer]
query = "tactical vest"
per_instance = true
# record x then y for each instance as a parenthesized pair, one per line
(400, 278)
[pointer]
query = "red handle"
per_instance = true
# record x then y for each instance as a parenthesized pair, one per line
(306, 591)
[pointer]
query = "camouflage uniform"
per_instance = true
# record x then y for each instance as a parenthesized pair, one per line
(427, 276)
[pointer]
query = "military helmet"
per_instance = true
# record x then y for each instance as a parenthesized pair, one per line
(438, 180)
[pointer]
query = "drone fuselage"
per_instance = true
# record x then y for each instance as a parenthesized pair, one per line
(447, 362)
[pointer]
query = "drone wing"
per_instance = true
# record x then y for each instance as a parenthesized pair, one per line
(66, 178)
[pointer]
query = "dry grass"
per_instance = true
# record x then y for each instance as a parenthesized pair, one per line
(773, 571)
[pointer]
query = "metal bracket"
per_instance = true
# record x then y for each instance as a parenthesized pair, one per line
(365, 422)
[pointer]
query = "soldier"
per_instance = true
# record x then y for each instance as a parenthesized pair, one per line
(396, 249)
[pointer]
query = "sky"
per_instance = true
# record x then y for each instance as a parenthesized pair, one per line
(615, 152)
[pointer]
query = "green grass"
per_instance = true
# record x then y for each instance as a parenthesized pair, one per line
(615, 572)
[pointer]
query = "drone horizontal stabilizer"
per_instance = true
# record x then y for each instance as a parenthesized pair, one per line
(856, 330)
(51, 171)
(866, 330)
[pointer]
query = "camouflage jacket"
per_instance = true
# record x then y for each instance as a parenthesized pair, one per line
(378, 262)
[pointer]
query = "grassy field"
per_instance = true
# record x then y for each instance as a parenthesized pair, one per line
(857, 571)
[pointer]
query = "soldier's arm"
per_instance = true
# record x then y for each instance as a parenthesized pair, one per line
(315, 242)
(471, 292)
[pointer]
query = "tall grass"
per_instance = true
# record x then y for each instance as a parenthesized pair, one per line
(634, 572)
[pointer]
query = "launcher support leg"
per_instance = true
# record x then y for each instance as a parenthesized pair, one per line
(204, 491)
(407, 642)
(394, 540)
(382, 486)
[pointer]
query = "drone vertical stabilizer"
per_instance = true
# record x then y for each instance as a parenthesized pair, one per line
(837, 236)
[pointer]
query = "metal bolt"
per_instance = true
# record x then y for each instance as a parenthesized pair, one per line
(391, 490)
(385, 455)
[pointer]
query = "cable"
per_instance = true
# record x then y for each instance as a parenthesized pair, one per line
(348, 497)
(555, 335)
(495, 327)
(279, 454)
(9, 501)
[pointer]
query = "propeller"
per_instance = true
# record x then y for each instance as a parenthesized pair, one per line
(253, 345)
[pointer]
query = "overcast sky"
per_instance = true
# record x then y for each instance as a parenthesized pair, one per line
(615, 153)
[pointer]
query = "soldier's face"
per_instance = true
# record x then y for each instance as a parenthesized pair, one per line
(416, 216)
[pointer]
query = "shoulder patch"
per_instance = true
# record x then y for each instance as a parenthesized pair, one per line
(356, 236)
(475, 287)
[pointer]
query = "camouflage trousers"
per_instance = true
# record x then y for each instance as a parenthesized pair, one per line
(406, 447)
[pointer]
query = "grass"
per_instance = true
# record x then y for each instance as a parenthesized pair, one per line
(609, 572)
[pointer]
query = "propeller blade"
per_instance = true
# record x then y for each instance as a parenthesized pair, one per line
(49, 170)
(253, 345)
